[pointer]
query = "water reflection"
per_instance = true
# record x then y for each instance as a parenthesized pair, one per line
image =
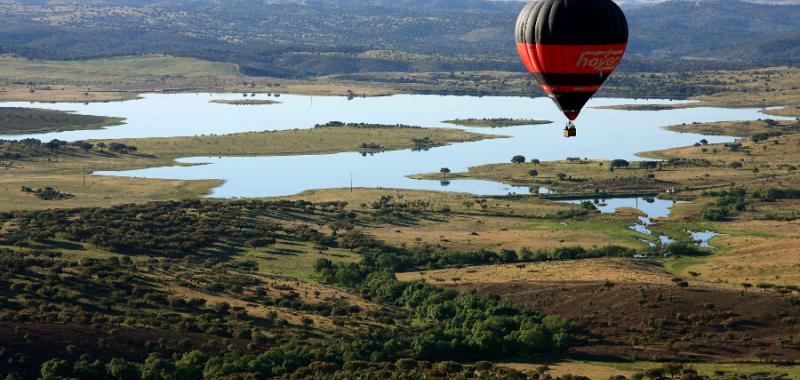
(652, 207)
(703, 238)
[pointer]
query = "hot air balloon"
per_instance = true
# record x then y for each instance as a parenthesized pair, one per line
(571, 47)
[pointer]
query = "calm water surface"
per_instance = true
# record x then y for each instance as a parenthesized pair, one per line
(602, 134)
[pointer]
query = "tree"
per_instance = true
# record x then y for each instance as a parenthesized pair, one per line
(85, 146)
(536, 161)
(323, 265)
(654, 373)
(518, 159)
(190, 366)
(156, 368)
(222, 308)
(444, 171)
(619, 163)
(54, 144)
(648, 164)
(533, 173)
(55, 369)
(673, 369)
(715, 214)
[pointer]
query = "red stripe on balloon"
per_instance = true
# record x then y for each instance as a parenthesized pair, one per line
(555, 88)
(571, 59)
(526, 58)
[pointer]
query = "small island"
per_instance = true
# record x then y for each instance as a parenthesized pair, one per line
(496, 122)
(15, 120)
(246, 102)
(752, 129)
(648, 107)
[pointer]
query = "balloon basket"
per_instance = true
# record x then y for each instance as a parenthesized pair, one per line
(570, 130)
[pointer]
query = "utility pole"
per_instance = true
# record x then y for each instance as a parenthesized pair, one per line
(351, 182)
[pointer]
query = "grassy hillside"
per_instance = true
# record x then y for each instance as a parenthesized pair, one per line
(143, 68)
(285, 38)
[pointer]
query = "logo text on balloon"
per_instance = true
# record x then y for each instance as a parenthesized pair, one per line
(605, 60)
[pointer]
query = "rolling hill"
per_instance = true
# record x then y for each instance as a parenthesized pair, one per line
(314, 37)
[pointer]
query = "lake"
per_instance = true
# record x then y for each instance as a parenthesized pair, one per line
(602, 134)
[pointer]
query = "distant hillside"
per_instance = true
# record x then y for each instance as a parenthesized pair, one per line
(629, 4)
(313, 37)
(717, 30)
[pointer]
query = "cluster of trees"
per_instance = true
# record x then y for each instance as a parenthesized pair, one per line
(683, 162)
(197, 365)
(339, 124)
(173, 228)
(33, 148)
(47, 194)
(728, 201)
(421, 259)
(277, 363)
(104, 295)
(620, 163)
(732, 200)
(453, 325)
(371, 146)
(117, 147)
(108, 293)
(27, 148)
(773, 194)
(423, 143)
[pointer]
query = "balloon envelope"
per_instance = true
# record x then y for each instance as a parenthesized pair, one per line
(571, 47)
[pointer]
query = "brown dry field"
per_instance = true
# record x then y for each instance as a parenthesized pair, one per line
(72, 174)
(759, 88)
(737, 128)
(471, 233)
(593, 270)
(591, 370)
(65, 93)
(504, 223)
(588, 176)
(634, 309)
(752, 251)
(767, 154)
(457, 203)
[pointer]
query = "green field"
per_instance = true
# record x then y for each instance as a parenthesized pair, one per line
(140, 69)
